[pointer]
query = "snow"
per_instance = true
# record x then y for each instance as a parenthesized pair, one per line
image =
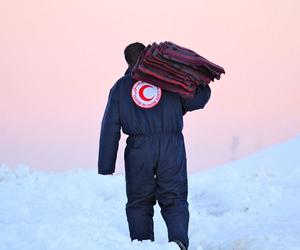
(250, 204)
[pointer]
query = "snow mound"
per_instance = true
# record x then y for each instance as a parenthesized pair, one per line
(248, 204)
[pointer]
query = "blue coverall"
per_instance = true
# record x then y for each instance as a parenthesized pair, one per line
(155, 156)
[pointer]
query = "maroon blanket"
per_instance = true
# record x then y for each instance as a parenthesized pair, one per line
(175, 68)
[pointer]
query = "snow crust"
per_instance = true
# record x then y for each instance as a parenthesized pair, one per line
(252, 204)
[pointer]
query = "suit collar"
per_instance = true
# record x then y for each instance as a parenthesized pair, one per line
(128, 69)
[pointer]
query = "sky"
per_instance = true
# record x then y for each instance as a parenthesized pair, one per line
(59, 60)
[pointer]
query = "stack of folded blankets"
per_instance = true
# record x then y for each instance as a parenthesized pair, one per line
(175, 68)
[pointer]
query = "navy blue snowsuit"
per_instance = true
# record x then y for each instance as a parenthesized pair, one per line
(155, 156)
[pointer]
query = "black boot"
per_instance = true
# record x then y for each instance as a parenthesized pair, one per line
(180, 244)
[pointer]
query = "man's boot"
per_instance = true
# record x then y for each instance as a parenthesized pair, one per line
(180, 244)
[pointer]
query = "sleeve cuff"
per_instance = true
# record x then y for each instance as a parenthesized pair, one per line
(103, 172)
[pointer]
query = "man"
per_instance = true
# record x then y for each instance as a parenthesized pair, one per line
(155, 156)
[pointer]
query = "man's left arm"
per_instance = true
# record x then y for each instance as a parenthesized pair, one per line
(110, 134)
(200, 99)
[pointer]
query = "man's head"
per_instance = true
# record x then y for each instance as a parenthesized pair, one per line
(132, 52)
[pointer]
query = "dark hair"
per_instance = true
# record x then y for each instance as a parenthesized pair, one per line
(133, 51)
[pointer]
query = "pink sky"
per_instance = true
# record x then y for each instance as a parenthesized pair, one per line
(60, 58)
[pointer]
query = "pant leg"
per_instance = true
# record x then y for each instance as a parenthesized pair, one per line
(172, 187)
(140, 189)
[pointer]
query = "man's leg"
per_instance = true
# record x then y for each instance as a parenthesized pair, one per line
(140, 190)
(172, 188)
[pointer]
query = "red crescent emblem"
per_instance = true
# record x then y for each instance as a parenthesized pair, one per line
(141, 93)
(139, 98)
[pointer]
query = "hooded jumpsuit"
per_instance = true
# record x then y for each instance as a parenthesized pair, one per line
(154, 156)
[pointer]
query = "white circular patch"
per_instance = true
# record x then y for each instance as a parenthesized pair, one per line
(145, 95)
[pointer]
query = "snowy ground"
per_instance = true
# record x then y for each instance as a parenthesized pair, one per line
(252, 203)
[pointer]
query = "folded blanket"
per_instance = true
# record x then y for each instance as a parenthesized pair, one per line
(175, 68)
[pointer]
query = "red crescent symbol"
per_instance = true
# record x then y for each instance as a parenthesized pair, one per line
(141, 93)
